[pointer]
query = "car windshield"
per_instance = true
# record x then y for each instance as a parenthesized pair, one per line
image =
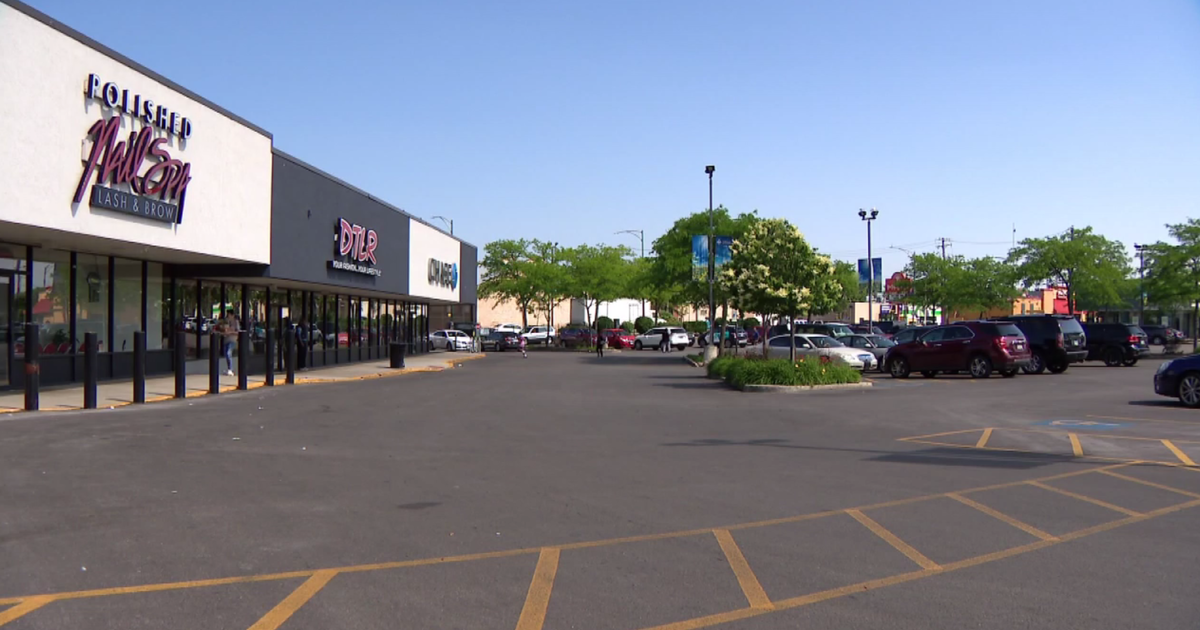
(1136, 330)
(881, 342)
(821, 341)
(839, 330)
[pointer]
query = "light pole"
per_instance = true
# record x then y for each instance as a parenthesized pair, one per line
(1141, 252)
(712, 271)
(869, 217)
(449, 222)
(641, 234)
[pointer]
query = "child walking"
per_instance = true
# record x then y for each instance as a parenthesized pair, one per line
(524, 353)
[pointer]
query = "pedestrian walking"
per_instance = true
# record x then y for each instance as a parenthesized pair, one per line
(665, 344)
(524, 350)
(228, 328)
(600, 343)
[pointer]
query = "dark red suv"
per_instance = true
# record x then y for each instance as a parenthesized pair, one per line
(975, 347)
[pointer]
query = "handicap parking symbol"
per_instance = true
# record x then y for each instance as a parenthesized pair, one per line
(1080, 424)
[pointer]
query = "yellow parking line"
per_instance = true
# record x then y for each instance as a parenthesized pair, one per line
(1081, 497)
(745, 575)
(921, 437)
(1187, 461)
(24, 608)
(983, 439)
(893, 540)
(1025, 527)
(290, 604)
(537, 600)
(1076, 447)
(1151, 484)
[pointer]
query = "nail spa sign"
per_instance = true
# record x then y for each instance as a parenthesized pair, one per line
(142, 177)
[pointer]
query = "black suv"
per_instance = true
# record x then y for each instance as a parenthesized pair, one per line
(1116, 344)
(909, 333)
(1055, 340)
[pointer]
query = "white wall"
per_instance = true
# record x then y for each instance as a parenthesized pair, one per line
(45, 118)
(425, 243)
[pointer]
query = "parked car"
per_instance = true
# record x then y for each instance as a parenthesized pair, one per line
(820, 346)
(501, 340)
(618, 338)
(1055, 341)
(576, 336)
(1180, 379)
(539, 334)
(1115, 344)
(729, 335)
(875, 344)
(1161, 335)
(829, 329)
(451, 340)
(888, 328)
(511, 327)
(909, 334)
(863, 329)
(677, 338)
(977, 347)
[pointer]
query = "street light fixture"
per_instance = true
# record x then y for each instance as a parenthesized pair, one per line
(869, 217)
(641, 234)
(1141, 252)
(448, 222)
(712, 268)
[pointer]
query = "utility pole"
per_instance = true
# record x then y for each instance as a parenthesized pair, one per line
(712, 266)
(870, 218)
(1071, 282)
(945, 315)
(1141, 252)
(943, 240)
(641, 234)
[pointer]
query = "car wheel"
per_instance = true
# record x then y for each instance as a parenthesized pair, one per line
(637, 345)
(898, 367)
(1158, 341)
(1058, 367)
(1112, 357)
(1037, 364)
(1008, 373)
(981, 366)
(1129, 362)
(1189, 390)
(928, 373)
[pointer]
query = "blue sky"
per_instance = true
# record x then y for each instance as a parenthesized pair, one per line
(567, 121)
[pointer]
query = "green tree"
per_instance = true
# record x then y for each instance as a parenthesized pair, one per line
(774, 271)
(1173, 270)
(596, 273)
(671, 273)
(1091, 267)
(506, 274)
(986, 284)
(932, 281)
(548, 277)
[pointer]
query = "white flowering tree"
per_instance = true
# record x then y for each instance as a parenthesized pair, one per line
(774, 271)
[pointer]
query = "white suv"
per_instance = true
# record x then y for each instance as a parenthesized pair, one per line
(539, 334)
(450, 340)
(653, 338)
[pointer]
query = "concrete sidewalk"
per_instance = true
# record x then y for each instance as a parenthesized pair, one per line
(159, 388)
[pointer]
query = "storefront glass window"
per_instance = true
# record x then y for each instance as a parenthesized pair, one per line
(12, 306)
(52, 300)
(158, 308)
(91, 299)
(188, 309)
(127, 302)
(257, 324)
(208, 312)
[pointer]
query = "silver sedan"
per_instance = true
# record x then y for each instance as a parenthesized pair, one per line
(875, 344)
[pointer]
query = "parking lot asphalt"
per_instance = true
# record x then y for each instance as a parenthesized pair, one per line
(566, 491)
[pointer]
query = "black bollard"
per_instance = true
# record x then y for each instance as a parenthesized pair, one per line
(139, 366)
(214, 363)
(243, 359)
(90, 364)
(269, 354)
(289, 354)
(181, 364)
(33, 367)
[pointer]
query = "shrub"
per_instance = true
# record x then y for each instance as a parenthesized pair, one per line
(751, 322)
(627, 326)
(742, 371)
(696, 327)
(642, 324)
(604, 322)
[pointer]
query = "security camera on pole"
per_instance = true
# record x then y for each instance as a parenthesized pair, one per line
(870, 217)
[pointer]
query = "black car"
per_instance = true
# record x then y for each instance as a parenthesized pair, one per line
(1056, 341)
(1115, 344)
(501, 340)
(1180, 379)
(909, 334)
(1161, 335)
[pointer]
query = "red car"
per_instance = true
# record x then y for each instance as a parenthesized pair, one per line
(618, 338)
(975, 347)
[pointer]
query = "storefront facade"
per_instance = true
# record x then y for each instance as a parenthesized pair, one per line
(134, 204)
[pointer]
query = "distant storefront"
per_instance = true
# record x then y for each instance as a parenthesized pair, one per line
(133, 204)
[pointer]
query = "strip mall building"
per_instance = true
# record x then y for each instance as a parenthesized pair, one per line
(134, 204)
